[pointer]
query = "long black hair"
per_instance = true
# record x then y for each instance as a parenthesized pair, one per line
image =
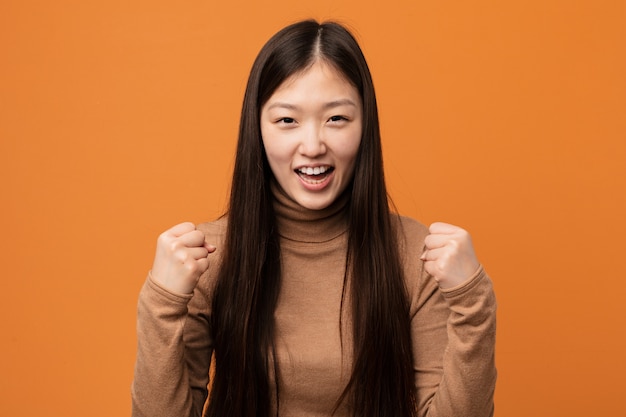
(381, 383)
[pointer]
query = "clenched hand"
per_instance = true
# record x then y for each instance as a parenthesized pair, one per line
(181, 257)
(449, 256)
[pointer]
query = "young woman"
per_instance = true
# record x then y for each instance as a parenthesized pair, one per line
(309, 297)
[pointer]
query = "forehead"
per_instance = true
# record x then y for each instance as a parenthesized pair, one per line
(316, 81)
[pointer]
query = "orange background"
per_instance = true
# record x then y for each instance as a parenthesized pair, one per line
(118, 119)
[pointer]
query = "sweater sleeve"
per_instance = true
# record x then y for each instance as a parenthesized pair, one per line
(453, 333)
(174, 350)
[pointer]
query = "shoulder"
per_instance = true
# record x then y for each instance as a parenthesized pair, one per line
(410, 235)
(214, 231)
(410, 240)
(215, 234)
(409, 232)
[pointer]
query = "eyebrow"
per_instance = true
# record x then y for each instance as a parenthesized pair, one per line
(329, 105)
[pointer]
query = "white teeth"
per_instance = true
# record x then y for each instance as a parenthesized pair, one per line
(313, 171)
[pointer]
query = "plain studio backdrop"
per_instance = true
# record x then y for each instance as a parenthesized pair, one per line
(119, 119)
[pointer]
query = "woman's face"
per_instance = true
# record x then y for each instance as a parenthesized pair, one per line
(311, 128)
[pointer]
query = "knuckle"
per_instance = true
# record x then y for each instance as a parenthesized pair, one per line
(464, 235)
(174, 245)
(454, 251)
(182, 256)
(191, 268)
(162, 239)
(203, 264)
(186, 227)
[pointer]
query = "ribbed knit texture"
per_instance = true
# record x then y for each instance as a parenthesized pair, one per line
(453, 331)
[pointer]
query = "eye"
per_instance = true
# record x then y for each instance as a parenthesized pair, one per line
(286, 120)
(337, 119)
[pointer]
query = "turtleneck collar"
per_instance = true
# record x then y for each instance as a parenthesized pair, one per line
(300, 224)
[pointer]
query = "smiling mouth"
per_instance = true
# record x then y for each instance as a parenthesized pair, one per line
(314, 175)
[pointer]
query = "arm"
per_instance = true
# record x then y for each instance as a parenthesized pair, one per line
(173, 336)
(454, 341)
(453, 329)
(173, 354)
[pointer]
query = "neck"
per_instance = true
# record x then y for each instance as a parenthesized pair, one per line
(305, 225)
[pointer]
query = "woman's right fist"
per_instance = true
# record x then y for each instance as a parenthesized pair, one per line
(181, 257)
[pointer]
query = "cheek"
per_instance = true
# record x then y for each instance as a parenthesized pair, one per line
(269, 145)
(349, 149)
(277, 154)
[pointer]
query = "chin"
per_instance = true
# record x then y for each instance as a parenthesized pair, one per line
(315, 203)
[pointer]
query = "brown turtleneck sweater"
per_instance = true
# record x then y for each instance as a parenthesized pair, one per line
(453, 331)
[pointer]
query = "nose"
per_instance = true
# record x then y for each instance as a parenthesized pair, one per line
(312, 143)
